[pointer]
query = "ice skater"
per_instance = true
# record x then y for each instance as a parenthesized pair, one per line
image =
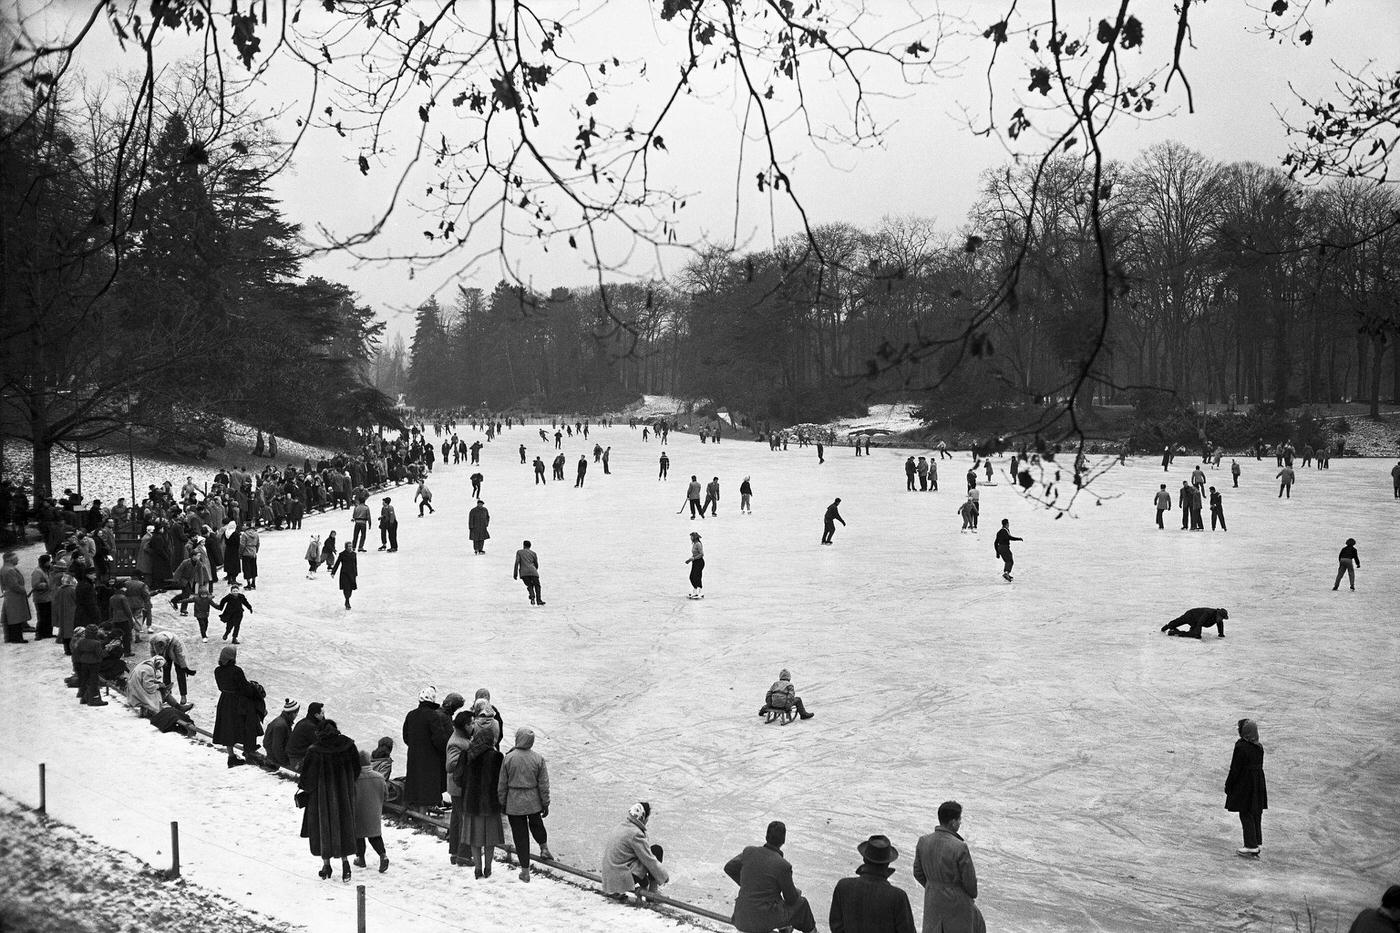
(1347, 564)
(1002, 545)
(1285, 479)
(665, 466)
(692, 498)
(527, 571)
(313, 558)
(478, 521)
(1246, 792)
(347, 564)
(424, 497)
(1217, 510)
(829, 520)
(582, 471)
(745, 496)
(697, 567)
(1163, 501)
(231, 609)
(1196, 619)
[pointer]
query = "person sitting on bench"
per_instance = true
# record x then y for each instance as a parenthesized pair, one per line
(1195, 620)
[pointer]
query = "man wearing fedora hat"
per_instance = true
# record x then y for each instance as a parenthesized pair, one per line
(868, 903)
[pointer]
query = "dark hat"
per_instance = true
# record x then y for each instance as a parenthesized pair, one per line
(877, 850)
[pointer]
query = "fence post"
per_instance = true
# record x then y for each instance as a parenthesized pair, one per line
(360, 908)
(43, 789)
(174, 849)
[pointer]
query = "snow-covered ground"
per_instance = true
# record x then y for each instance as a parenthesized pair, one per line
(113, 776)
(1088, 749)
(659, 406)
(109, 476)
(895, 418)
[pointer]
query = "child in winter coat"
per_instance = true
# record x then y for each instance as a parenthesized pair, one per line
(328, 551)
(313, 557)
(783, 695)
(381, 759)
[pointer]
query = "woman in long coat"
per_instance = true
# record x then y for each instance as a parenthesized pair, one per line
(162, 567)
(425, 732)
(231, 541)
(347, 564)
(327, 791)
(144, 558)
(241, 708)
(65, 605)
(481, 808)
(371, 789)
(1245, 790)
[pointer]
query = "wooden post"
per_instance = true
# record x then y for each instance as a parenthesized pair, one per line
(43, 789)
(360, 908)
(174, 849)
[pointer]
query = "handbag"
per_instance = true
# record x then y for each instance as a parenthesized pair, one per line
(300, 799)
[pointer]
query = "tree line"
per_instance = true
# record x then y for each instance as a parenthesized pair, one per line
(161, 294)
(1225, 281)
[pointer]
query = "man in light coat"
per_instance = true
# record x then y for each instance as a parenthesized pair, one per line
(943, 866)
(768, 899)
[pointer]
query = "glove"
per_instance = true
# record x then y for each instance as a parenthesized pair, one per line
(544, 814)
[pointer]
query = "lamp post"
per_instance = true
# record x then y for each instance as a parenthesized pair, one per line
(127, 406)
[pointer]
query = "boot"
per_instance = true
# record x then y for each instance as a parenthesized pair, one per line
(488, 855)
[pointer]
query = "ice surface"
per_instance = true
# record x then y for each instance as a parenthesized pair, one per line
(1088, 750)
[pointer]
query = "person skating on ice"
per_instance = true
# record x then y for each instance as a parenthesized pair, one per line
(665, 465)
(1217, 510)
(1003, 548)
(231, 609)
(711, 498)
(829, 520)
(745, 495)
(968, 511)
(1347, 564)
(692, 498)
(1163, 502)
(527, 571)
(697, 567)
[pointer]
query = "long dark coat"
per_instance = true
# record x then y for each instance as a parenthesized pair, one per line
(231, 543)
(868, 903)
(477, 521)
(240, 713)
(479, 789)
(1245, 791)
(85, 609)
(425, 732)
(328, 777)
(348, 566)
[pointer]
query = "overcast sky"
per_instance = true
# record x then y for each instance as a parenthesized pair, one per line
(927, 162)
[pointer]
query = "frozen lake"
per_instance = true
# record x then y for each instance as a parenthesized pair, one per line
(1088, 750)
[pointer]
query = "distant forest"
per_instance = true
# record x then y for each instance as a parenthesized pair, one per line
(1228, 282)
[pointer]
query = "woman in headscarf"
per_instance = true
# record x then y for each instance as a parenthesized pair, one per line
(232, 538)
(239, 717)
(370, 791)
(629, 860)
(1245, 790)
(481, 809)
(327, 792)
(328, 552)
(145, 559)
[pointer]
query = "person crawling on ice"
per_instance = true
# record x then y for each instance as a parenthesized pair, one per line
(1195, 620)
(783, 695)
